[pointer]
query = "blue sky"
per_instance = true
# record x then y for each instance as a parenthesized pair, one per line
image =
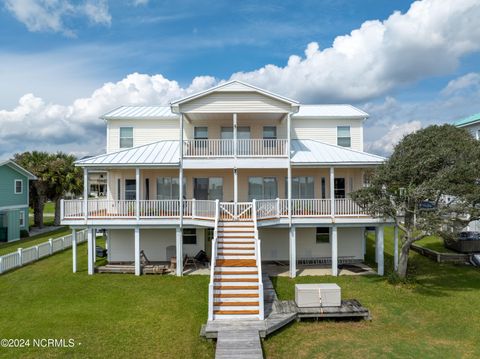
(67, 62)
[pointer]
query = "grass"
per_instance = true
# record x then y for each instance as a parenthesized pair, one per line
(434, 243)
(32, 241)
(160, 316)
(49, 208)
(429, 318)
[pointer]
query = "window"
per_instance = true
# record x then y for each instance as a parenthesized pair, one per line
(167, 188)
(22, 218)
(200, 133)
(324, 188)
(323, 235)
(366, 179)
(18, 186)
(130, 189)
(343, 136)
(208, 188)
(339, 187)
(262, 188)
(126, 137)
(147, 189)
(302, 187)
(269, 132)
(189, 236)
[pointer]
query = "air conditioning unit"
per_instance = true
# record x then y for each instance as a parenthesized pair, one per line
(318, 295)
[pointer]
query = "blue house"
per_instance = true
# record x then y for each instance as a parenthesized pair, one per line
(14, 193)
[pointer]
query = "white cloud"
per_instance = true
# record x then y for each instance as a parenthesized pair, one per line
(51, 15)
(429, 39)
(139, 2)
(463, 83)
(386, 143)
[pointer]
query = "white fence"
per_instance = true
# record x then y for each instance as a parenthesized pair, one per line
(24, 256)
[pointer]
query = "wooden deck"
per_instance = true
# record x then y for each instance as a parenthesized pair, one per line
(238, 344)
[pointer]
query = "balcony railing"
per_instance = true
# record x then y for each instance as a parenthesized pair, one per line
(158, 209)
(240, 148)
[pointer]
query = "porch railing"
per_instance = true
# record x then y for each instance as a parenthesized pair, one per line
(242, 148)
(205, 209)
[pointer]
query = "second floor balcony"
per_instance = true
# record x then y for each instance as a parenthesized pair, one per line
(221, 148)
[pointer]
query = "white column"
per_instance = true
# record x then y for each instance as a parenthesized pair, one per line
(289, 171)
(332, 191)
(235, 189)
(395, 247)
(74, 250)
(137, 193)
(293, 252)
(108, 245)
(380, 269)
(235, 136)
(85, 192)
(94, 241)
(137, 251)
(180, 174)
(334, 252)
(364, 241)
(179, 247)
(90, 251)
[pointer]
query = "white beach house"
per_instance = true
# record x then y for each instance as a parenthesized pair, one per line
(263, 177)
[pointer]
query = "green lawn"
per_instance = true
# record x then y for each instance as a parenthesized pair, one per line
(434, 243)
(125, 316)
(32, 241)
(48, 209)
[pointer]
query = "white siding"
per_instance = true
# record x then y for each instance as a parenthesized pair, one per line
(229, 102)
(153, 242)
(275, 243)
(144, 132)
(325, 130)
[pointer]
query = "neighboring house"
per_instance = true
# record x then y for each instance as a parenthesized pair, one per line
(14, 192)
(472, 124)
(263, 179)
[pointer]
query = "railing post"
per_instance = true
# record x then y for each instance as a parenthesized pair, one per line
(20, 256)
(1, 264)
(278, 207)
(62, 209)
(332, 192)
(50, 241)
(85, 193)
(194, 209)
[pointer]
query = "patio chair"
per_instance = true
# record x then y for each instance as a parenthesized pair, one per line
(189, 261)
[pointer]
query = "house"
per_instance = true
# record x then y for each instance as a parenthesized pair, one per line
(247, 175)
(14, 192)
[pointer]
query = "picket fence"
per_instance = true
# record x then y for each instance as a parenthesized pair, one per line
(24, 256)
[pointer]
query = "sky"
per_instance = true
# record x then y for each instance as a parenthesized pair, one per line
(65, 63)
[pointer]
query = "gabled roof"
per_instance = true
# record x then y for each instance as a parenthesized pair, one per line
(18, 168)
(312, 152)
(161, 153)
(140, 113)
(470, 120)
(234, 85)
(330, 111)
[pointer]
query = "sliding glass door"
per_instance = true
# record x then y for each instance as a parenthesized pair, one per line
(208, 188)
(262, 188)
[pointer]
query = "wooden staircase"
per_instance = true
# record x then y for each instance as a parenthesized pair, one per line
(236, 283)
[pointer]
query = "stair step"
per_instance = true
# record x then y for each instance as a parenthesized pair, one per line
(242, 234)
(235, 287)
(235, 253)
(236, 263)
(223, 272)
(237, 248)
(233, 280)
(236, 304)
(236, 295)
(236, 312)
(236, 276)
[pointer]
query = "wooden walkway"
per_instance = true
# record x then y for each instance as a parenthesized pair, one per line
(238, 344)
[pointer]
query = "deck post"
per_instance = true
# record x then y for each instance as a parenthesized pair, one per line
(90, 251)
(289, 171)
(380, 269)
(235, 137)
(74, 250)
(180, 172)
(137, 193)
(235, 192)
(85, 193)
(179, 248)
(395, 247)
(364, 241)
(94, 241)
(376, 244)
(137, 251)
(332, 192)
(334, 251)
(293, 250)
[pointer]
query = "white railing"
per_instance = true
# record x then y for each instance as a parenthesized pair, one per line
(268, 208)
(204, 209)
(243, 148)
(258, 258)
(23, 256)
(159, 208)
(211, 289)
(310, 207)
(347, 207)
(240, 211)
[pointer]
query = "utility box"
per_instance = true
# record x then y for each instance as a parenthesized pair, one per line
(318, 295)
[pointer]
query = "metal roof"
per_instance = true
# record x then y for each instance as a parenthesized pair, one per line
(140, 113)
(312, 152)
(330, 111)
(470, 120)
(161, 153)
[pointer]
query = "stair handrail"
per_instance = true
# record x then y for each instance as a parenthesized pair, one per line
(258, 259)
(213, 261)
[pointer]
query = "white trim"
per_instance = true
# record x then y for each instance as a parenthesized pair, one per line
(15, 186)
(14, 207)
(21, 218)
(18, 168)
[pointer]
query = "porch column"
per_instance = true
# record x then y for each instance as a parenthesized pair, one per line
(90, 251)
(179, 248)
(137, 251)
(395, 247)
(293, 251)
(180, 174)
(235, 136)
(364, 241)
(85, 192)
(332, 191)
(107, 233)
(334, 252)
(289, 171)
(137, 193)
(380, 269)
(235, 187)
(74, 250)
(94, 241)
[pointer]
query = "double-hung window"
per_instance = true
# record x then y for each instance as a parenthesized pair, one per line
(343, 136)
(126, 137)
(18, 186)
(130, 189)
(339, 187)
(269, 135)
(302, 187)
(322, 235)
(189, 236)
(200, 133)
(262, 188)
(22, 218)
